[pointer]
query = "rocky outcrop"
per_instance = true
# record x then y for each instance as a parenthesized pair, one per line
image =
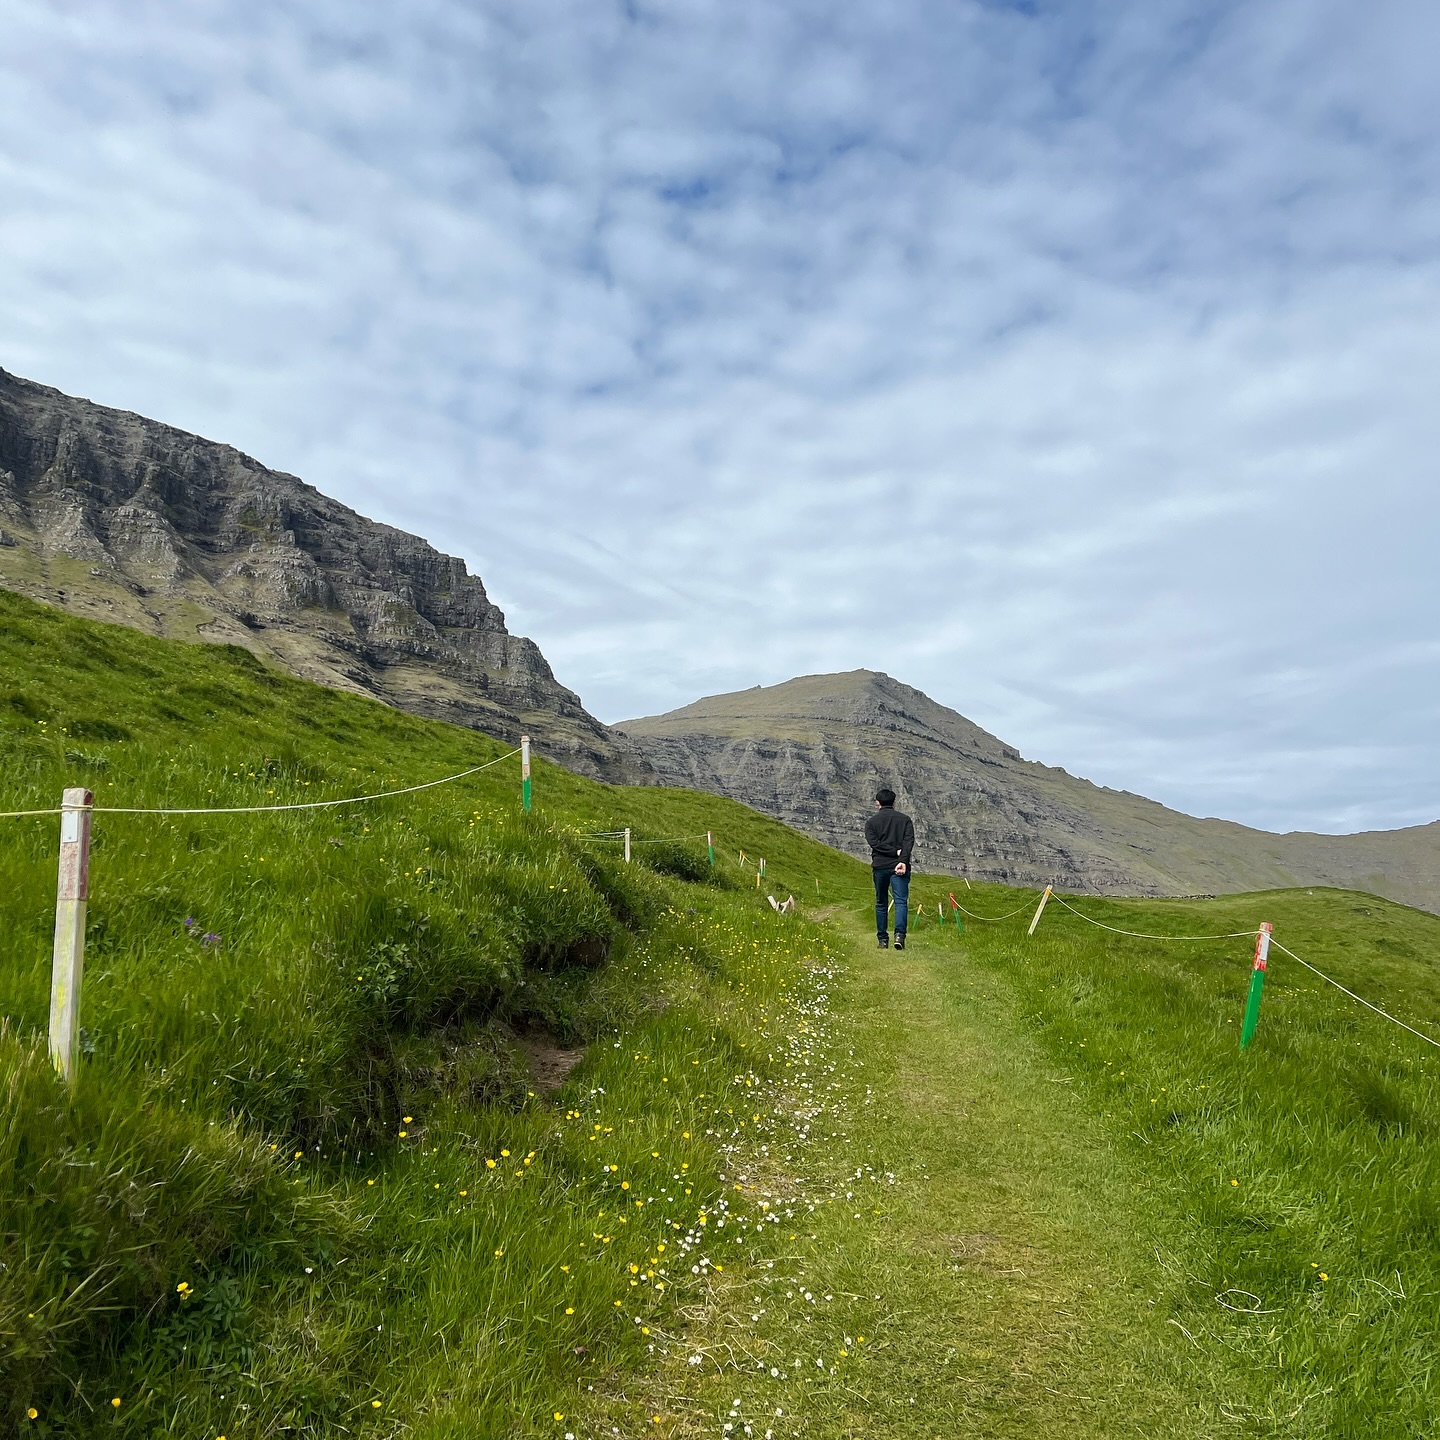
(118, 517)
(813, 751)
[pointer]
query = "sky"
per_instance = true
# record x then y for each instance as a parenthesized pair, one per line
(1074, 362)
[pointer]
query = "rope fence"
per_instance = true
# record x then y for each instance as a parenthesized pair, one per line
(1420, 1033)
(77, 811)
(1139, 935)
(261, 809)
(78, 808)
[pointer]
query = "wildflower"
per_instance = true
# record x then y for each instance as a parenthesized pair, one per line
(499, 1252)
(116, 1402)
(32, 1413)
(1323, 1275)
(374, 1404)
(569, 1309)
(559, 1416)
(407, 1118)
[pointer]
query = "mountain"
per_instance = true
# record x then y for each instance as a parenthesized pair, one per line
(813, 751)
(116, 517)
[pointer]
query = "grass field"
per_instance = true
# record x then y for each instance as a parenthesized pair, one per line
(326, 1170)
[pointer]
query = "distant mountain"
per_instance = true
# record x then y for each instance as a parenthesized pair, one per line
(116, 517)
(813, 751)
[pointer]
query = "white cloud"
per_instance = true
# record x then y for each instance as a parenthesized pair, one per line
(1075, 363)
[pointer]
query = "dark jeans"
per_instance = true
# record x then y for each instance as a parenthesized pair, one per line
(888, 883)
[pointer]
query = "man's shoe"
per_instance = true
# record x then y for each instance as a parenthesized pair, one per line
(899, 942)
(883, 941)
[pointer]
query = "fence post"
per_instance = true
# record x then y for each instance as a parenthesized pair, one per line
(1039, 911)
(1257, 983)
(525, 771)
(68, 969)
(710, 846)
(627, 844)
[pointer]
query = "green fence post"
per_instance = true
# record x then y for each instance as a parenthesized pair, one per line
(525, 771)
(710, 847)
(1257, 983)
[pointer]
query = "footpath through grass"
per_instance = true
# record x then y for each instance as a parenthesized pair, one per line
(1058, 1199)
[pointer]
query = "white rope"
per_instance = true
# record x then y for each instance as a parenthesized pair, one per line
(17, 814)
(302, 805)
(1354, 996)
(1137, 935)
(1006, 916)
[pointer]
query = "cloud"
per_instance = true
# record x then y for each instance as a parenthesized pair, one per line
(1073, 362)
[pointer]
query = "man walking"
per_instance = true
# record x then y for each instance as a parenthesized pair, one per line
(891, 837)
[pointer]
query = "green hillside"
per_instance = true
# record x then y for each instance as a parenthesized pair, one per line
(327, 1172)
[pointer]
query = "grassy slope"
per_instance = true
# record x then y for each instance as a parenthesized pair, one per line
(1040, 1165)
(351, 1024)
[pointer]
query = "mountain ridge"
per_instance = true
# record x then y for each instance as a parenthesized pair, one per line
(811, 751)
(114, 516)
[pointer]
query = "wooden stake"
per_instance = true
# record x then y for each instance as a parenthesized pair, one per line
(1039, 911)
(525, 772)
(627, 844)
(67, 973)
(710, 847)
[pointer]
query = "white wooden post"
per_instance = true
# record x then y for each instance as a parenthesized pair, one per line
(525, 771)
(68, 970)
(627, 844)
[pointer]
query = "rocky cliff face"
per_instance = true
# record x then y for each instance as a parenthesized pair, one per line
(813, 751)
(117, 517)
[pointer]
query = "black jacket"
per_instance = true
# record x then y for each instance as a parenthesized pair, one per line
(891, 837)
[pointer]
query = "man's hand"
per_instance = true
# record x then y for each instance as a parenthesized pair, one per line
(900, 868)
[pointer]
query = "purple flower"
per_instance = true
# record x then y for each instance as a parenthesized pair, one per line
(210, 940)
(191, 923)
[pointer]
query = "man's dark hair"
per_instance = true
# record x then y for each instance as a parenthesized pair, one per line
(885, 796)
